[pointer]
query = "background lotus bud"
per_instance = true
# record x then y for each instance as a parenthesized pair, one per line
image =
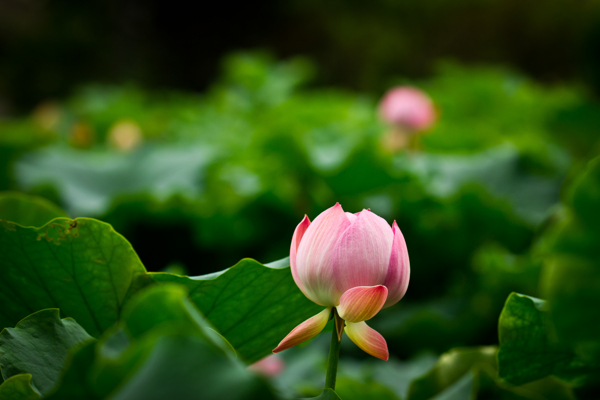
(408, 107)
(355, 263)
(270, 366)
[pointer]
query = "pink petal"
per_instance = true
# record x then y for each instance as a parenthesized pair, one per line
(362, 253)
(362, 303)
(399, 269)
(351, 217)
(313, 260)
(368, 339)
(306, 330)
(298, 234)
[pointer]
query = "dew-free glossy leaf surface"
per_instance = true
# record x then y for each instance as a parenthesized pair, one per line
(18, 387)
(82, 266)
(251, 305)
(27, 210)
(38, 345)
(527, 352)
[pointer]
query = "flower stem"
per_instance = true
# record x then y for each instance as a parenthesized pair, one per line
(334, 356)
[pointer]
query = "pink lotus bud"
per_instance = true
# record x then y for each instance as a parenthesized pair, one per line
(409, 107)
(355, 263)
(270, 366)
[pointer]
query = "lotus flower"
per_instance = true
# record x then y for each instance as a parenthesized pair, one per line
(408, 107)
(355, 263)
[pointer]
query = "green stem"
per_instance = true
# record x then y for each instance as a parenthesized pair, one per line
(334, 356)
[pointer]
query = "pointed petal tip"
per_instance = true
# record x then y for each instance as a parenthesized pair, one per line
(305, 331)
(368, 340)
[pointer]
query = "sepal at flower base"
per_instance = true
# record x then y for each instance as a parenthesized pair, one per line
(339, 325)
(362, 303)
(368, 339)
(305, 331)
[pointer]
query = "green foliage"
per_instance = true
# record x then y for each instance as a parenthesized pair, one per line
(83, 267)
(455, 371)
(572, 280)
(38, 346)
(19, 387)
(172, 352)
(328, 394)
(227, 174)
(253, 322)
(90, 272)
(466, 373)
(206, 180)
(527, 351)
(560, 336)
(27, 210)
(349, 389)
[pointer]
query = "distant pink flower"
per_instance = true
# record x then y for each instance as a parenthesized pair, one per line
(409, 107)
(270, 366)
(355, 263)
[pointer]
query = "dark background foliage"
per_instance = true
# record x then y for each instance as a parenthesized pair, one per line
(49, 47)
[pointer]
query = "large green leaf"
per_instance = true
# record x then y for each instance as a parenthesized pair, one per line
(252, 305)
(27, 210)
(527, 352)
(168, 354)
(19, 387)
(38, 345)
(82, 266)
(87, 270)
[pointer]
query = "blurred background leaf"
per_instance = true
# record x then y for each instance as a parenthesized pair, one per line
(27, 210)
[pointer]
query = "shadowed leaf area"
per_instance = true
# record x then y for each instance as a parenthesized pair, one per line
(19, 387)
(169, 353)
(38, 346)
(527, 351)
(253, 306)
